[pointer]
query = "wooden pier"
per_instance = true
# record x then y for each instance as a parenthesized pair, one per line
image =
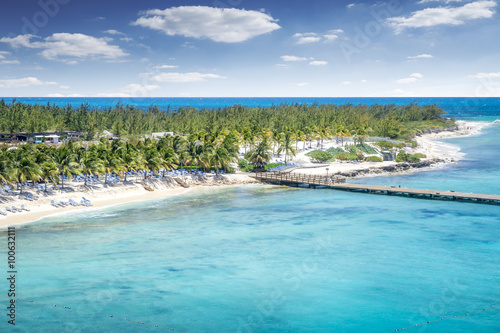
(321, 181)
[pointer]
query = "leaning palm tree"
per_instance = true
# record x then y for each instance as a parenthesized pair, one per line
(132, 161)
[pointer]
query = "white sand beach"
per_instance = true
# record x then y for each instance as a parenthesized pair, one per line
(116, 193)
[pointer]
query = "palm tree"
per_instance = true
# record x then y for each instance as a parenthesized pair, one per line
(24, 168)
(287, 143)
(50, 172)
(342, 132)
(260, 154)
(89, 164)
(152, 160)
(65, 162)
(111, 163)
(132, 161)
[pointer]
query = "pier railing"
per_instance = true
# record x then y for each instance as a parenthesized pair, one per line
(334, 182)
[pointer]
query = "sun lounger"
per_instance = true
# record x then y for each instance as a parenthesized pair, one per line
(55, 204)
(9, 210)
(3, 213)
(24, 208)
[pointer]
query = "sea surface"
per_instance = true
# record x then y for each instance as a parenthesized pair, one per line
(267, 259)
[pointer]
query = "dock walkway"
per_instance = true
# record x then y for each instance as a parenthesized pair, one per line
(314, 181)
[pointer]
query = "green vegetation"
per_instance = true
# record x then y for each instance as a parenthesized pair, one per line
(346, 157)
(321, 156)
(373, 159)
(45, 163)
(367, 149)
(315, 122)
(386, 145)
(335, 151)
(405, 157)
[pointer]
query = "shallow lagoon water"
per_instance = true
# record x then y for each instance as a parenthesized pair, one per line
(267, 259)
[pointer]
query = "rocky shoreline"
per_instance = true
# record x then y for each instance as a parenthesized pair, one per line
(396, 168)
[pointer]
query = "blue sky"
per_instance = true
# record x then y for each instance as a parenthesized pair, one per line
(247, 48)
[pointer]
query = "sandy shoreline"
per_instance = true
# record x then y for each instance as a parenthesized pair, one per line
(139, 190)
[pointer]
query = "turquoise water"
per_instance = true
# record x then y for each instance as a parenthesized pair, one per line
(266, 259)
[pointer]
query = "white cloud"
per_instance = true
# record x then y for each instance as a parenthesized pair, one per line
(165, 67)
(312, 37)
(184, 77)
(412, 78)
(126, 39)
(23, 82)
(307, 40)
(346, 83)
(113, 95)
(363, 81)
(67, 47)
(486, 75)
(421, 56)
(351, 5)
(10, 62)
(55, 95)
(292, 58)
(302, 84)
(283, 65)
(228, 25)
(318, 63)
(135, 89)
(63, 87)
(131, 90)
(114, 32)
(446, 1)
(400, 93)
(430, 17)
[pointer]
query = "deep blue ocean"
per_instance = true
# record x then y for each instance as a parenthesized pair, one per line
(266, 259)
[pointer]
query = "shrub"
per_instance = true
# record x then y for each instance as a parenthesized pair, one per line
(351, 149)
(346, 157)
(242, 164)
(335, 151)
(405, 157)
(373, 159)
(367, 149)
(320, 156)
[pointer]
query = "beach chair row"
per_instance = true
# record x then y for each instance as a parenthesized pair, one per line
(71, 202)
(14, 209)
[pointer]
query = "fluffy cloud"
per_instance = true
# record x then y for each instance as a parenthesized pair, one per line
(302, 84)
(114, 32)
(400, 93)
(486, 75)
(132, 90)
(23, 82)
(306, 38)
(430, 17)
(68, 47)
(312, 37)
(165, 67)
(292, 58)
(412, 78)
(184, 77)
(318, 63)
(228, 25)
(421, 56)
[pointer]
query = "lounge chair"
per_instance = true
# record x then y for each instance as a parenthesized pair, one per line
(3, 213)
(24, 208)
(54, 204)
(9, 210)
(16, 209)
